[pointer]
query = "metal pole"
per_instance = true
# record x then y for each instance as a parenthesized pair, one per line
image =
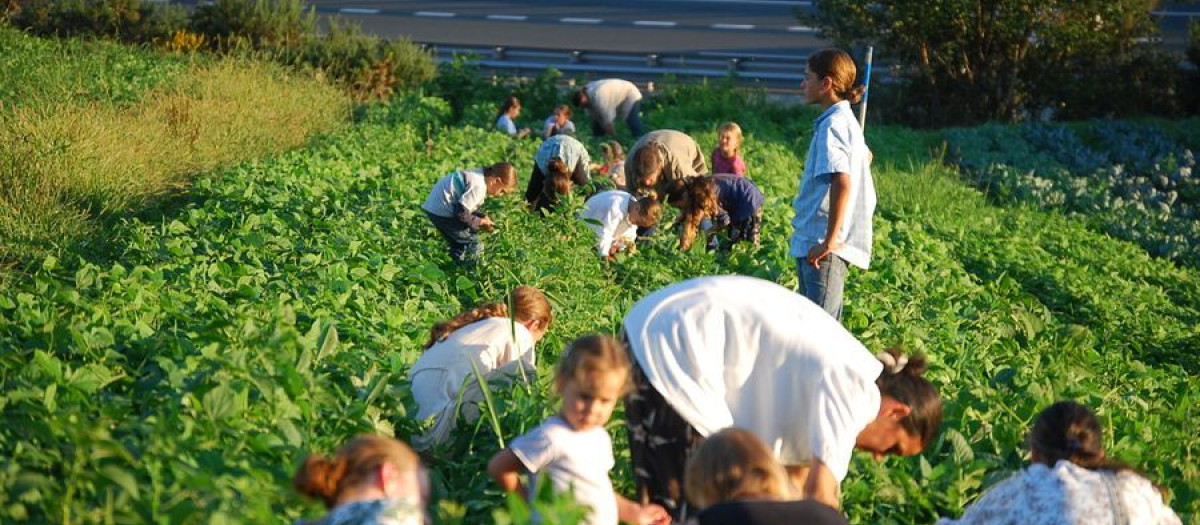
(862, 108)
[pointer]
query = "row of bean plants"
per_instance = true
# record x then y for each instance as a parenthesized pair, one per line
(275, 310)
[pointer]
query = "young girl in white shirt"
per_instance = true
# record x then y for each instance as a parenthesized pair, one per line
(572, 448)
(491, 337)
(615, 216)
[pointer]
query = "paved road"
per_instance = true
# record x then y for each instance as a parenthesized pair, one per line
(662, 26)
(637, 26)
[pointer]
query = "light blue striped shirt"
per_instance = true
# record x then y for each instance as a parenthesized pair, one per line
(565, 147)
(837, 146)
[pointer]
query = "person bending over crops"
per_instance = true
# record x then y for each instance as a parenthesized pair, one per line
(832, 225)
(453, 206)
(734, 478)
(510, 109)
(661, 158)
(371, 481)
(727, 156)
(715, 352)
(559, 123)
(1070, 482)
(560, 162)
(722, 201)
(572, 449)
(491, 339)
(608, 100)
(615, 216)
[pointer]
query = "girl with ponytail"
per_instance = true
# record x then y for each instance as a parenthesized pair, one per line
(495, 339)
(560, 162)
(832, 224)
(371, 481)
(1071, 480)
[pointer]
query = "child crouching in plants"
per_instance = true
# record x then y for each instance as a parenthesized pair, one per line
(718, 202)
(614, 163)
(493, 339)
(453, 206)
(615, 216)
(572, 448)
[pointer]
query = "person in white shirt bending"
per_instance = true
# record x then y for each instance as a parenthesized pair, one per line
(491, 339)
(715, 352)
(615, 216)
(572, 448)
(608, 100)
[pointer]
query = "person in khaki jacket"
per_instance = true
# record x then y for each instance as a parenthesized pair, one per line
(660, 160)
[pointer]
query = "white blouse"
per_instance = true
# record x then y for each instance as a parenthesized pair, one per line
(739, 351)
(1068, 494)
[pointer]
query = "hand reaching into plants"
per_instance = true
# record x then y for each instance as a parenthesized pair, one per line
(487, 224)
(639, 514)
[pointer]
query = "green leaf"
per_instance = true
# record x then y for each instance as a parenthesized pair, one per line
(122, 478)
(328, 342)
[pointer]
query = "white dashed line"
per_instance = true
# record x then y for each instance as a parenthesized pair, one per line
(571, 20)
(801, 29)
(654, 23)
(1188, 14)
(733, 26)
(508, 18)
(358, 11)
(435, 14)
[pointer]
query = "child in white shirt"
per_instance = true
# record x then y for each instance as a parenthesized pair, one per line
(492, 338)
(453, 206)
(572, 448)
(615, 216)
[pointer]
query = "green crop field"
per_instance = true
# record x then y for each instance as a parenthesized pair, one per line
(273, 311)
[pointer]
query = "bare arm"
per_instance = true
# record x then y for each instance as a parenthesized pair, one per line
(816, 482)
(506, 469)
(839, 200)
(638, 514)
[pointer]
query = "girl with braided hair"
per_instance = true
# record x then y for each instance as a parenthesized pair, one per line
(494, 339)
(371, 481)
(1070, 482)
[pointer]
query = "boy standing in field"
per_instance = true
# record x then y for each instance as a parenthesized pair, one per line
(836, 202)
(608, 100)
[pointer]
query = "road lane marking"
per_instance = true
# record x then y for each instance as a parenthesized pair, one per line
(435, 14)
(1188, 14)
(802, 29)
(573, 20)
(733, 26)
(654, 23)
(358, 11)
(509, 18)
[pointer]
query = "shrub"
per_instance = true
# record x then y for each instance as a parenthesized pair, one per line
(133, 21)
(259, 24)
(369, 66)
(965, 62)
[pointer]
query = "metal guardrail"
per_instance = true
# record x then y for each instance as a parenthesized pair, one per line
(766, 70)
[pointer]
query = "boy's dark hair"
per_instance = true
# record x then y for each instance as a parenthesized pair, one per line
(578, 97)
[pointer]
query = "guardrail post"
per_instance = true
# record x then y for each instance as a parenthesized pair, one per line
(498, 53)
(576, 57)
(653, 60)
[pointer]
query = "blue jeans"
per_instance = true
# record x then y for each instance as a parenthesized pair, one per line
(824, 285)
(464, 242)
(634, 121)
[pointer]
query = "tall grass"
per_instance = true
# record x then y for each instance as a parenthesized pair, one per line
(65, 162)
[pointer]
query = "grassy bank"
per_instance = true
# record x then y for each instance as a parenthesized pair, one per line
(102, 131)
